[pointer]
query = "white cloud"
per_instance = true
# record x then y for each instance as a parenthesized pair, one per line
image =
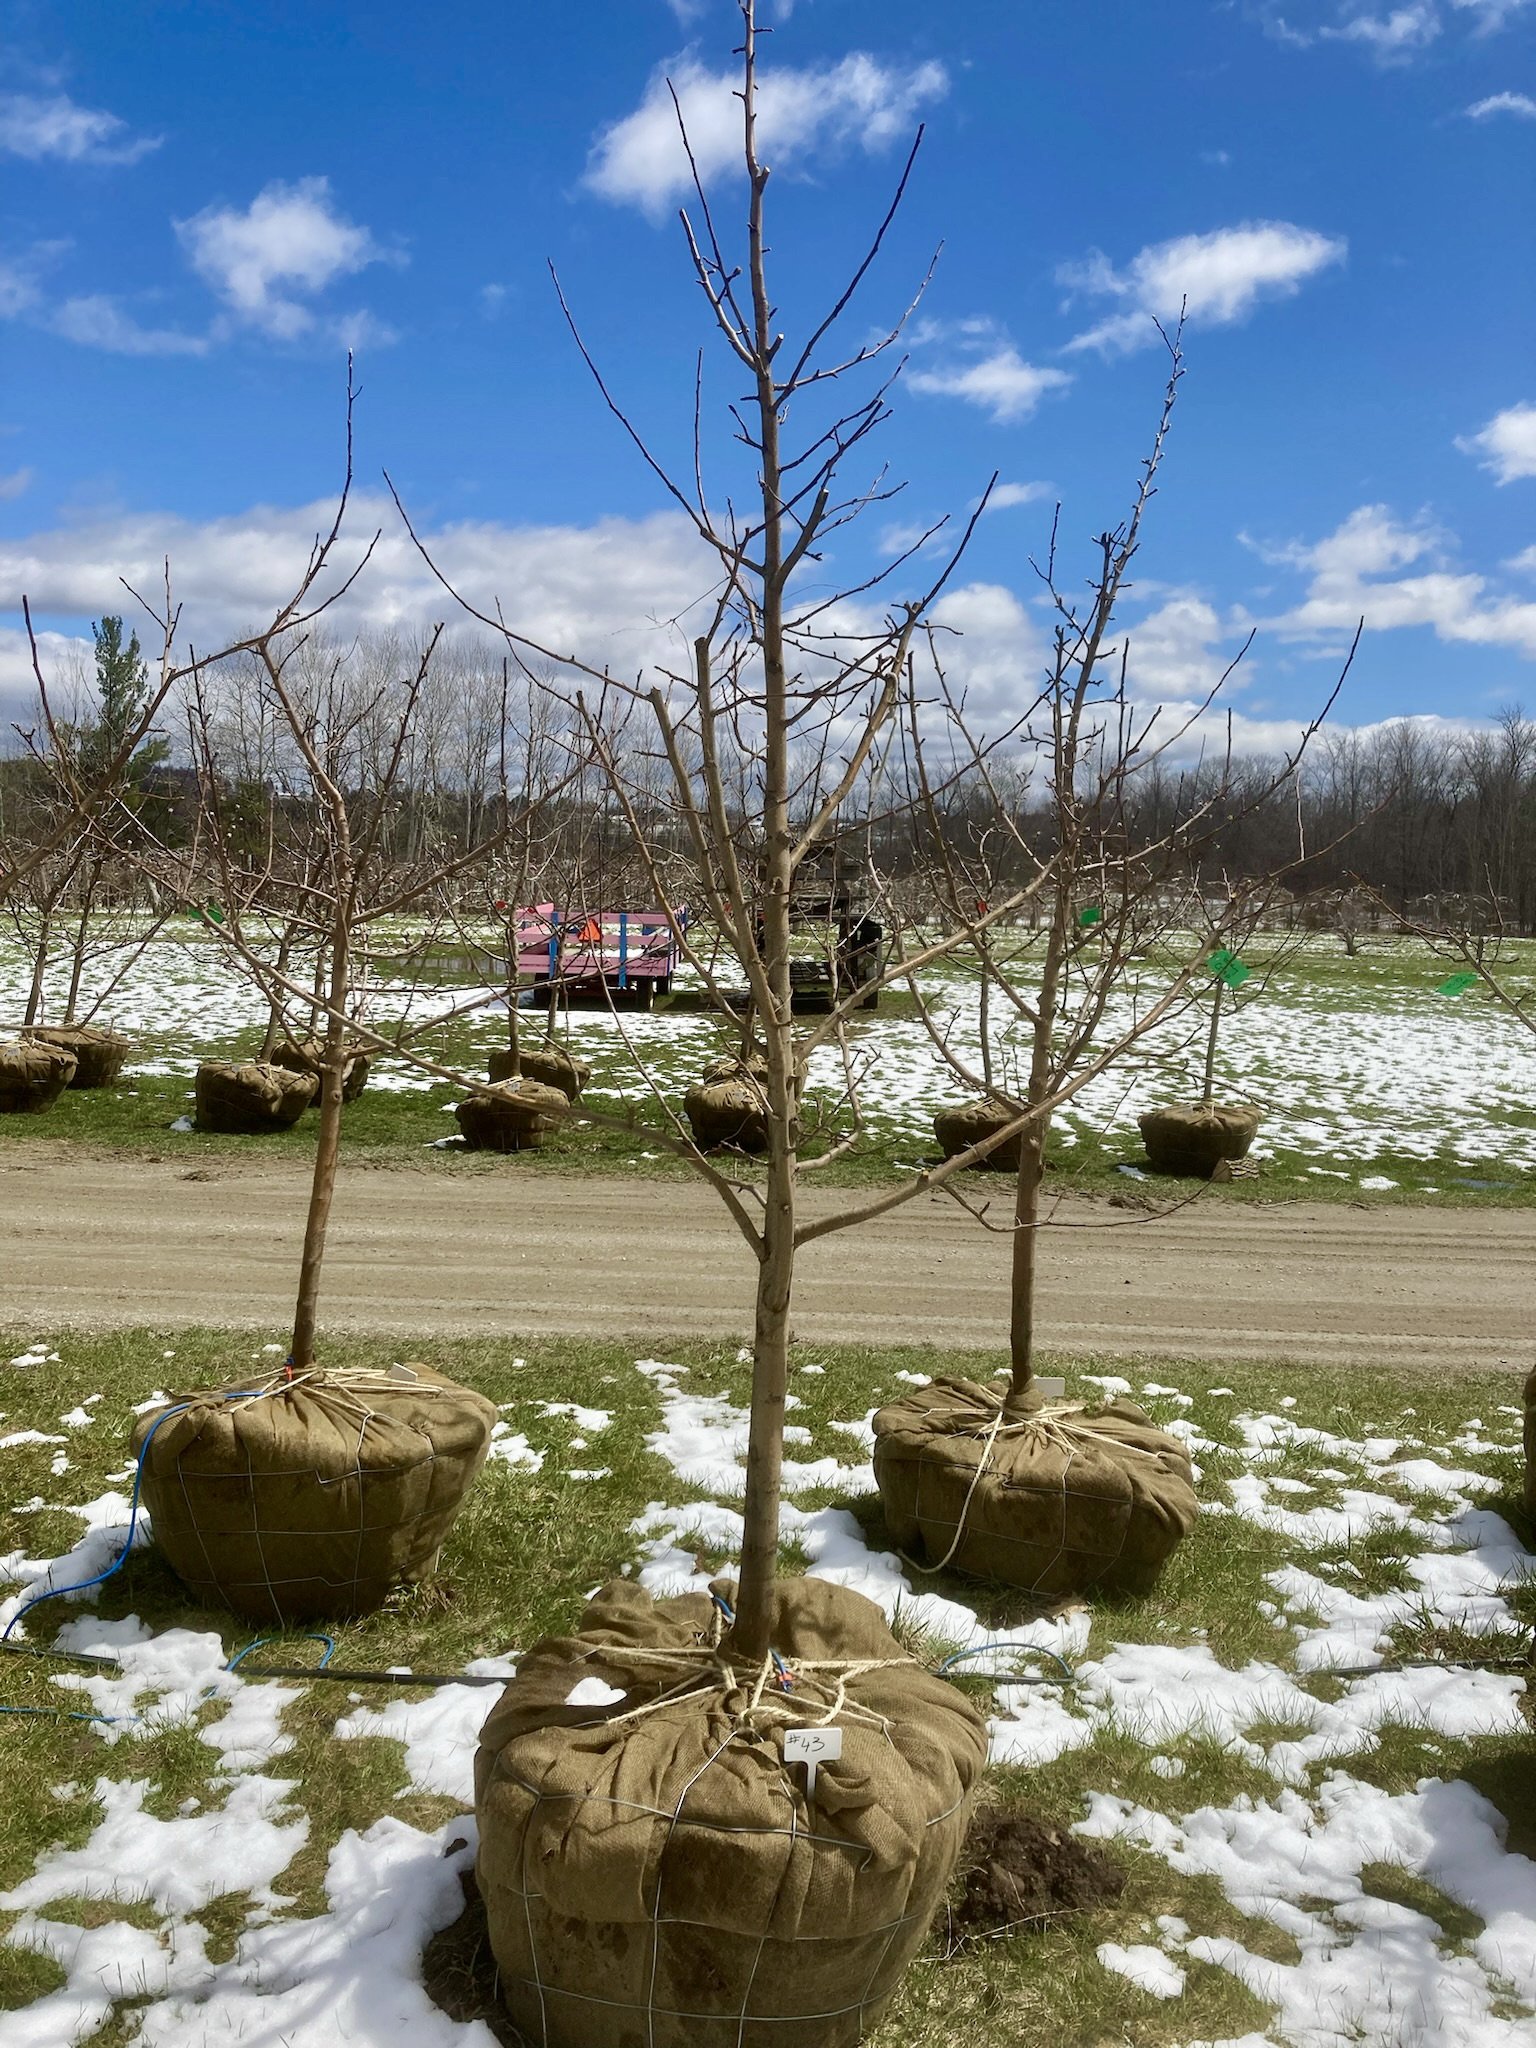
(1354, 572)
(1524, 562)
(1490, 14)
(288, 244)
(19, 481)
(640, 159)
(1004, 495)
(40, 128)
(1507, 445)
(1391, 38)
(1218, 278)
(1002, 383)
(20, 291)
(100, 322)
(1520, 104)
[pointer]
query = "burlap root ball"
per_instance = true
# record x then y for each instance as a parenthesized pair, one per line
(33, 1076)
(728, 1105)
(316, 1499)
(658, 1878)
(1191, 1139)
(507, 1119)
(307, 1056)
(251, 1097)
(99, 1054)
(964, 1124)
(1065, 1502)
(551, 1065)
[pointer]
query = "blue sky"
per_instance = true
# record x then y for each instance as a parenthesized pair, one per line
(202, 202)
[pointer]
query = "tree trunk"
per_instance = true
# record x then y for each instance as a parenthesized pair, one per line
(1208, 1082)
(39, 968)
(327, 1147)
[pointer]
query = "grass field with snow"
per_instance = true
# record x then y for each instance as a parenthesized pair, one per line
(1374, 1085)
(1319, 1847)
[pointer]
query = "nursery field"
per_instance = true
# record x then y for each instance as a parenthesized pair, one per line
(1306, 1829)
(1375, 1086)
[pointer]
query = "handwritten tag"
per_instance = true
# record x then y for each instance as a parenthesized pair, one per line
(812, 1747)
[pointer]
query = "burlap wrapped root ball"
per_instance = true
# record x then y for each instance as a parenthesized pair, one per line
(965, 1124)
(100, 1054)
(1058, 1502)
(728, 1105)
(311, 1497)
(33, 1076)
(251, 1097)
(651, 1870)
(1192, 1139)
(551, 1065)
(307, 1056)
(511, 1119)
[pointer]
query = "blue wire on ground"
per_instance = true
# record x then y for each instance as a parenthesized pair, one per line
(309, 1636)
(58, 1592)
(63, 1714)
(1027, 1649)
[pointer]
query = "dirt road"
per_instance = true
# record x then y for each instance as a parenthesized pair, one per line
(105, 1242)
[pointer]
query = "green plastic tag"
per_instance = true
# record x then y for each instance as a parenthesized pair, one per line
(1228, 968)
(1456, 984)
(1092, 915)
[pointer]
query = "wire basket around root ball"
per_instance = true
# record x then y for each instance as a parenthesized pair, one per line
(965, 1124)
(289, 1499)
(251, 1097)
(508, 1119)
(548, 1064)
(729, 1106)
(654, 1871)
(307, 1056)
(1058, 1502)
(33, 1076)
(1191, 1139)
(99, 1054)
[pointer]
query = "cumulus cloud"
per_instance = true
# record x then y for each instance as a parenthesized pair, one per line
(1390, 38)
(802, 113)
(1358, 571)
(1507, 445)
(100, 322)
(1006, 387)
(287, 246)
(40, 128)
(1217, 278)
(1520, 104)
(1005, 495)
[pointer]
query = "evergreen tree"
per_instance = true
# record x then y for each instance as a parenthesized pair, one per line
(122, 691)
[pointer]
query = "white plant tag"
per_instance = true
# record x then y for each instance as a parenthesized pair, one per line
(1053, 1390)
(811, 1747)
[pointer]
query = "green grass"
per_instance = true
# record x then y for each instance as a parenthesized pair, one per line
(1388, 978)
(529, 1547)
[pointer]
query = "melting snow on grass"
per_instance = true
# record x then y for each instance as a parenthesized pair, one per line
(1298, 1852)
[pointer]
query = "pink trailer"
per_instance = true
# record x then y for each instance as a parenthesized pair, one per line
(626, 955)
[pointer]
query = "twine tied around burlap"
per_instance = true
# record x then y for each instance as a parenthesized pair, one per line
(1054, 1500)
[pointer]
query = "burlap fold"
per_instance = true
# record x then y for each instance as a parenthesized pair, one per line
(307, 1056)
(548, 1064)
(652, 1872)
(511, 1119)
(1192, 1138)
(99, 1053)
(251, 1097)
(33, 1076)
(287, 1501)
(964, 1124)
(1058, 1502)
(728, 1105)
